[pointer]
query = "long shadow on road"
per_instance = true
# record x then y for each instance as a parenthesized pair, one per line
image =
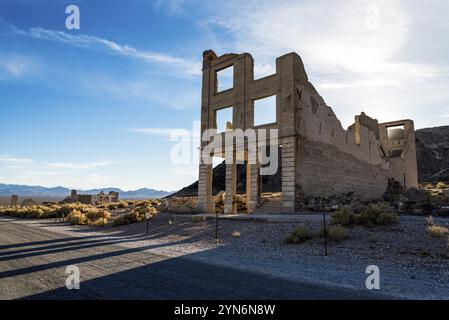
(64, 247)
(58, 264)
(182, 278)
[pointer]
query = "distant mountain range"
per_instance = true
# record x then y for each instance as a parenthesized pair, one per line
(61, 192)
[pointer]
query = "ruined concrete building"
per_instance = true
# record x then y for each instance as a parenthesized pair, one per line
(318, 157)
(100, 198)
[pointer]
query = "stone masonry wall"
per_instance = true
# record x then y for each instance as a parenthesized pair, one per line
(330, 160)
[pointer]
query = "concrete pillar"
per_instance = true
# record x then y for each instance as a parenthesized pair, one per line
(290, 71)
(205, 203)
(288, 174)
(252, 186)
(230, 206)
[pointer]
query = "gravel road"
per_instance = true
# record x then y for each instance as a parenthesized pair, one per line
(412, 264)
(33, 262)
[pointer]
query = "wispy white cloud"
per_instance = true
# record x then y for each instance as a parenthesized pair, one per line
(394, 53)
(80, 166)
(331, 37)
(163, 132)
(171, 7)
(140, 87)
(47, 168)
(11, 159)
(93, 42)
(17, 66)
(43, 173)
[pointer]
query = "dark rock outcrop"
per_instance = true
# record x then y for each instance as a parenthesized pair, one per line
(432, 146)
(269, 183)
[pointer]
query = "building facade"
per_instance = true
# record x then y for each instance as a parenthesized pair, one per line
(318, 156)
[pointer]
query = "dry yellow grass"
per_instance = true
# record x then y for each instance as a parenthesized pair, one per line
(436, 230)
(236, 234)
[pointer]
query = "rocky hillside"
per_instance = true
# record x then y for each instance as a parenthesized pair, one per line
(433, 165)
(433, 154)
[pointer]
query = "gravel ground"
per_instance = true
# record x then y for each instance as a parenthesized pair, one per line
(412, 263)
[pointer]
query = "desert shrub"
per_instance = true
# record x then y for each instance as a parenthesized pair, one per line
(123, 205)
(36, 211)
(92, 213)
(299, 235)
(441, 185)
(437, 230)
(55, 211)
(344, 217)
(436, 200)
(104, 214)
(427, 186)
(76, 217)
(387, 218)
(336, 233)
(143, 210)
(129, 218)
(370, 215)
(118, 205)
(376, 215)
(236, 234)
(112, 206)
(198, 219)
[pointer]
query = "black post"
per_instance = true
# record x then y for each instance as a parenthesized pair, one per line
(148, 225)
(216, 226)
(325, 234)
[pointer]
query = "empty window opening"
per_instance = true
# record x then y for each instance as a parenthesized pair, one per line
(265, 110)
(224, 119)
(396, 132)
(263, 70)
(225, 79)
(394, 153)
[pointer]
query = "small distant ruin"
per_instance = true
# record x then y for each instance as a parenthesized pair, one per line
(318, 157)
(102, 197)
(14, 200)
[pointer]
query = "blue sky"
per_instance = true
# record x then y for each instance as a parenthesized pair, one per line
(94, 107)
